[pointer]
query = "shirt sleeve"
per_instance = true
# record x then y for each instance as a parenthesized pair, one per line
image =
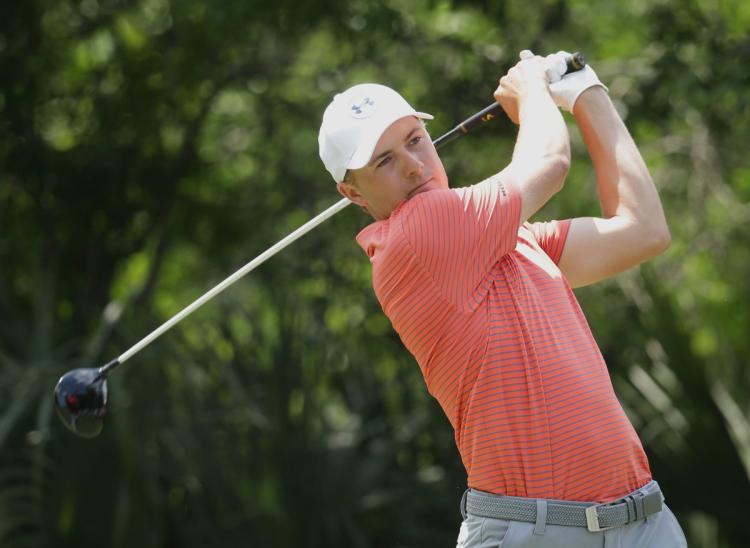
(459, 234)
(551, 237)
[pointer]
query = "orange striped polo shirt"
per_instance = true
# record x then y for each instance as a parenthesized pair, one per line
(503, 345)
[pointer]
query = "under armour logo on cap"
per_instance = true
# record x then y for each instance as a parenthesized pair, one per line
(364, 109)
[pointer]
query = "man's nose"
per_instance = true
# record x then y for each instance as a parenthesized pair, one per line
(413, 165)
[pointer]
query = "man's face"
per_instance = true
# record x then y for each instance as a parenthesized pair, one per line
(403, 164)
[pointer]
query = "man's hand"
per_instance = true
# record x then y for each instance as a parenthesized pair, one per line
(566, 88)
(526, 78)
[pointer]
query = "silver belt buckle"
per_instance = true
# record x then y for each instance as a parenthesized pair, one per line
(592, 520)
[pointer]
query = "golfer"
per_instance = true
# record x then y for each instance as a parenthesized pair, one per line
(483, 300)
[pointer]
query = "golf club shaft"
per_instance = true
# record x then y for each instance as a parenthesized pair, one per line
(575, 62)
(260, 259)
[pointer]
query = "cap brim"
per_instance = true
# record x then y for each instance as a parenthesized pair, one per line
(362, 155)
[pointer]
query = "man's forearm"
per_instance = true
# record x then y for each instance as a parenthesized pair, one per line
(541, 157)
(542, 135)
(624, 183)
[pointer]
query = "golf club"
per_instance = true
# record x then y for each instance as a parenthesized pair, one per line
(81, 394)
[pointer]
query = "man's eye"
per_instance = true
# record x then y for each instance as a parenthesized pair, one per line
(416, 140)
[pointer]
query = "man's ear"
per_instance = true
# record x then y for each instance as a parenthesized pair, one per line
(350, 191)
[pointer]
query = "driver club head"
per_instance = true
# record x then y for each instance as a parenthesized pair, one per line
(81, 401)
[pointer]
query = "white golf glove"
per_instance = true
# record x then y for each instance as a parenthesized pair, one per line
(566, 88)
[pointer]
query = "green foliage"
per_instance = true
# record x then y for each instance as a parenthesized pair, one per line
(150, 147)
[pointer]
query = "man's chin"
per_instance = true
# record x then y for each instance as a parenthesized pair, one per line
(424, 187)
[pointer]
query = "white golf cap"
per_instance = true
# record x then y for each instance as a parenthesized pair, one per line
(353, 123)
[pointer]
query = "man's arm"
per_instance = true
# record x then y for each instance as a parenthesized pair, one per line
(541, 156)
(632, 228)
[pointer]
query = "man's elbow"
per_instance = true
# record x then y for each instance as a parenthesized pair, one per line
(658, 241)
(555, 170)
(665, 239)
(558, 166)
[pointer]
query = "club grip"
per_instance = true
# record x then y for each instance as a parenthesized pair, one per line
(573, 62)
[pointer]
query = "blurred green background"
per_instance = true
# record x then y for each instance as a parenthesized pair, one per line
(148, 148)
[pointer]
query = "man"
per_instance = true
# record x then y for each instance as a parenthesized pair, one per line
(482, 299)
